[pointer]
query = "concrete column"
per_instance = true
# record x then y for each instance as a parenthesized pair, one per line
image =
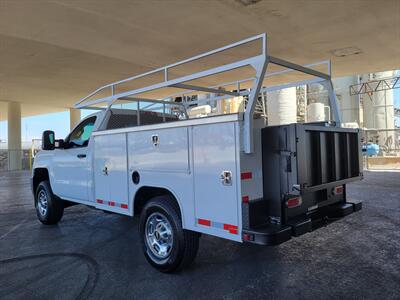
(14, 136)
(74, 117)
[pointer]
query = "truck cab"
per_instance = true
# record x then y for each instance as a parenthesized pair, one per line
(69, 164)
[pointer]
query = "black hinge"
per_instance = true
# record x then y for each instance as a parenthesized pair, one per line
(289, 155)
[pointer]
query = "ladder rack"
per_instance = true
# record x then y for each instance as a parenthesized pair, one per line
(257, 62)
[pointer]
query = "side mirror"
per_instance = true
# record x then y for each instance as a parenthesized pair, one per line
(48, 140)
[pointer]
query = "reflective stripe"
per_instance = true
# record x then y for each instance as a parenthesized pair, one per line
(246, 175)
(231, 228)
(112, 203)
(204, 222)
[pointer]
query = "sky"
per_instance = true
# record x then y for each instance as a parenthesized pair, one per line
(32, 127)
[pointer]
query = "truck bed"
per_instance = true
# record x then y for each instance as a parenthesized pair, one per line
(309, 165)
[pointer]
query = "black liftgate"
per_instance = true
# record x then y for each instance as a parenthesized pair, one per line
(311, 161)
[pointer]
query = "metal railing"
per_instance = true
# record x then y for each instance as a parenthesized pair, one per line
(177, 82)
(15, 159)
(258, 62)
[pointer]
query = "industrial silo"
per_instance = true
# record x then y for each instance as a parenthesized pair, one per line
(379, 112)
(282, 106)
(349, 106)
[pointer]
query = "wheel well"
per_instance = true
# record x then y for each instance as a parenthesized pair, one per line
(39, 175)
(146, 193)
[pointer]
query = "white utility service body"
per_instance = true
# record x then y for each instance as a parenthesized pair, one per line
(224, 174)
(188, 160)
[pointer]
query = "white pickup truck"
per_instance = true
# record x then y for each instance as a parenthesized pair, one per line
(192, 155)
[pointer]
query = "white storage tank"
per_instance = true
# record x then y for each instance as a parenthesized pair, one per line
(349, 105)
(282, 106)
(379, 107)
(379, 112)
(316, 112)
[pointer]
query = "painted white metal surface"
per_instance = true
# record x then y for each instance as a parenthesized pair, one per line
(111, 173)
(170, 153)
(70, 174)
(184, 123)
(252, 188)
(215, 148)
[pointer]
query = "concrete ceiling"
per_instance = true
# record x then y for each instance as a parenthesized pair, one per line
(52, 53)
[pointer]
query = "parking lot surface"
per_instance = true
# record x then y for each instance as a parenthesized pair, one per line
(91, 254)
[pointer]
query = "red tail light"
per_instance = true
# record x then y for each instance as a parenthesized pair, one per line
(293, 202)
(248, 237)
(338, 190)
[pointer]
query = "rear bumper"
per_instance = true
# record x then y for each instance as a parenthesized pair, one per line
(274, 234)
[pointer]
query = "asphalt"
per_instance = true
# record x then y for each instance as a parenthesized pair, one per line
(91, 254)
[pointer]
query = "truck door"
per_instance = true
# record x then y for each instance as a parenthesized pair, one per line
(111, 173)
(216, 178)
(72, 165)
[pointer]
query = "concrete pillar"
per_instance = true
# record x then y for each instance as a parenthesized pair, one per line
(74, 117)
(14, 136)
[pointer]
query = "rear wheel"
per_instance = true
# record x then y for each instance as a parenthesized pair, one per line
(49, 208)
(166, 245)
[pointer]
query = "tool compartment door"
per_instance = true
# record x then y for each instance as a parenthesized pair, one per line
(215, 151)
(110, 173)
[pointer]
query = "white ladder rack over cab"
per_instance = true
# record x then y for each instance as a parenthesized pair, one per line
(258, 63)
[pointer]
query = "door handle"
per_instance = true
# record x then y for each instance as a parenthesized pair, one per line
(81, 155)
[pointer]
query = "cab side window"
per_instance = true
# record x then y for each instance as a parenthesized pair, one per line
(81, 134)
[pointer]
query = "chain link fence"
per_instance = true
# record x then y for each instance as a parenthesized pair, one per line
(17, 159)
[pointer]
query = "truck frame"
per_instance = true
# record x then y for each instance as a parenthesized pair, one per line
(188, 171)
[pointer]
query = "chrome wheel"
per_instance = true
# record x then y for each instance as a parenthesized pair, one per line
(159, 236)
(42, 203)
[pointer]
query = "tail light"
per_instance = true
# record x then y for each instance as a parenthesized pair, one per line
(293, 202)
(338, 190)
(248, 237)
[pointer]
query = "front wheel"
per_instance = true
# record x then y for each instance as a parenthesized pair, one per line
(49, 208)
(166, 245)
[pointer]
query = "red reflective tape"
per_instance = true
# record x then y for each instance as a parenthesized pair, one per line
(233, 231)
(124, 206)
(204, 222)
(230, 227)
(245, 199)
(246, 175)
(111, 203)
(99, 201)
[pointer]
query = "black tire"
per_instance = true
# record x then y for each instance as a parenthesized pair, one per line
(185, 243)
(55, 207)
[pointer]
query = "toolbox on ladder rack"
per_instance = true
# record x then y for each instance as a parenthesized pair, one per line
(305, 170)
